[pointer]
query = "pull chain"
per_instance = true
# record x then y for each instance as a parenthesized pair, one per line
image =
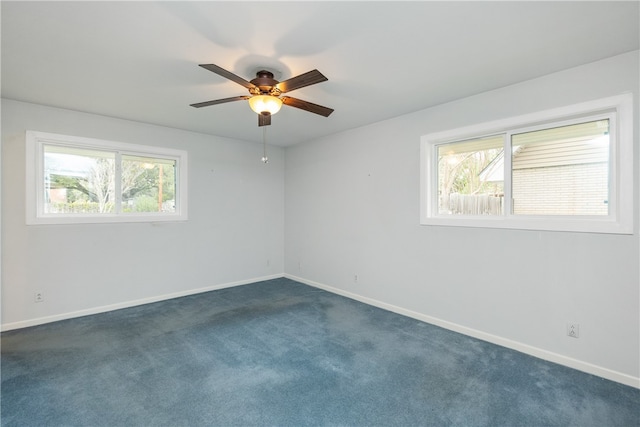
(265, 159)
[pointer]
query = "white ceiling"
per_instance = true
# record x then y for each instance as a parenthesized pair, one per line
(139, 60)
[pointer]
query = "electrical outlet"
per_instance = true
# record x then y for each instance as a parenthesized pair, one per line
(355, 278)
(573, 330)
(39, 296)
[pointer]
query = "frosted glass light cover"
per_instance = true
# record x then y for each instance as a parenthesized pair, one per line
(261, 103)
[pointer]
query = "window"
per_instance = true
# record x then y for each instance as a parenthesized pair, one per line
(566, 169)
(82, 180)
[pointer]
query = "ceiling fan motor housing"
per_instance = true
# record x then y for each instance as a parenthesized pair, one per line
(265, 84)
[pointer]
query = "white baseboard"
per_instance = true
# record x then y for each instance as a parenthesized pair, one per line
(127, 304)
(494, 339)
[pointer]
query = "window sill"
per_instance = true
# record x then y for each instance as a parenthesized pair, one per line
(106, 219)
(577, 225)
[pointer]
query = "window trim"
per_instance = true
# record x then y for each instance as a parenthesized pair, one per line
(620, 219)
(35, 215)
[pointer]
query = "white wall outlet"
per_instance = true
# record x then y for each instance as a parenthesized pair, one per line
(573, 330)
(39, 296)
(355, 278)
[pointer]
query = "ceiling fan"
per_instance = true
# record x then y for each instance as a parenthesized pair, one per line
(265, 93)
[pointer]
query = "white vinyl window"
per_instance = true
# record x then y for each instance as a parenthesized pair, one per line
(567, 169)
(82, 180)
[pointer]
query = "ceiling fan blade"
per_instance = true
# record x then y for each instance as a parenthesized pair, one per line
(264, 119)
(228, 74)
(307, 106)
(306, 79)
(220, 101)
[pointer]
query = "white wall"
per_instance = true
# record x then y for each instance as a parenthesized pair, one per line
(235, 225)
(352, 208)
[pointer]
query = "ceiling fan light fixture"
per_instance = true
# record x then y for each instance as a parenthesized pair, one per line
(265, 103)
(264, 93)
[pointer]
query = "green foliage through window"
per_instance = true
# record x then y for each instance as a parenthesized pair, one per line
(85, 181)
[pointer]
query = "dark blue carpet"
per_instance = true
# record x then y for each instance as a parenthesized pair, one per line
(279, 353)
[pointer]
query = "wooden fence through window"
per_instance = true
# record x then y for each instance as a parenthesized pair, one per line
(475, 204)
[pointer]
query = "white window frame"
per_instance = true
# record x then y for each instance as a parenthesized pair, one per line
(619, 110)
(35, 142)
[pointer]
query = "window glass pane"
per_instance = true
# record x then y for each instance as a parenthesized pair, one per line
(471, 177)
(148, 184)
(562, 170)
(78, 181)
